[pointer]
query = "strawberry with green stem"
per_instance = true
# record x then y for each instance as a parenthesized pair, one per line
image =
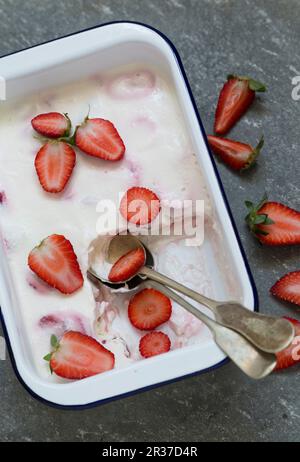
(273, 223)
(77, 356)
(52, 125)
(238, 156)
(99, 138)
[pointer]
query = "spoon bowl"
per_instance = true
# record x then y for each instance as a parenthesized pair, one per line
(119, 246)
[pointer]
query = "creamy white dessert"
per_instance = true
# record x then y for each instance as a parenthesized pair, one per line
(142, 105)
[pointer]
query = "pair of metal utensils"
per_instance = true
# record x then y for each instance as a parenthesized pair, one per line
(248, 338)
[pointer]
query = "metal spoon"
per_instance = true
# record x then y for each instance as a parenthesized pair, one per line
(268, 333)
(253, 362)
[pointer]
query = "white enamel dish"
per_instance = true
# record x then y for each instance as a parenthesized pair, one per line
(81, 55)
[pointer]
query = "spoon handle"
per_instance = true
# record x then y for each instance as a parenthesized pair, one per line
(252, 361)
(269, 333)
(165, 280)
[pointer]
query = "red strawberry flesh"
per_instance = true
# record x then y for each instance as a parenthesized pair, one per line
(99, 138)
(55, 262)
(238, 156)
(127, 266)
(154, 343)
(286, 227)
(149, 309)
(274, 223)
(236, 96)
(54, 164)
(52, 124)
(140, 206)
(291, 355)
(78, 356)
(234, 100)
(288, 288)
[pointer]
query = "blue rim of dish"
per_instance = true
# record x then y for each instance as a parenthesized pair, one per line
(250, 276)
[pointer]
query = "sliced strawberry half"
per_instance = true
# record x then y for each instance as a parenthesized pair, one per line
(100, 138)
(140, 205)
(274, 223)
(238, 156)
(52, 124)
(291, 355)
(288, 288)
(149, 309)
(236, 96)
(77, 356)
(54, 164)
(154, 343)
(55, 261)
(127, 266)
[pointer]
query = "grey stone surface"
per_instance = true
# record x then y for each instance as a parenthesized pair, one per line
(214, 37)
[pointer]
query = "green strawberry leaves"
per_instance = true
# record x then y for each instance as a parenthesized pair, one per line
(54, 342)
(254, 218)
(253, 156)
(254, 85)
(55, 345)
